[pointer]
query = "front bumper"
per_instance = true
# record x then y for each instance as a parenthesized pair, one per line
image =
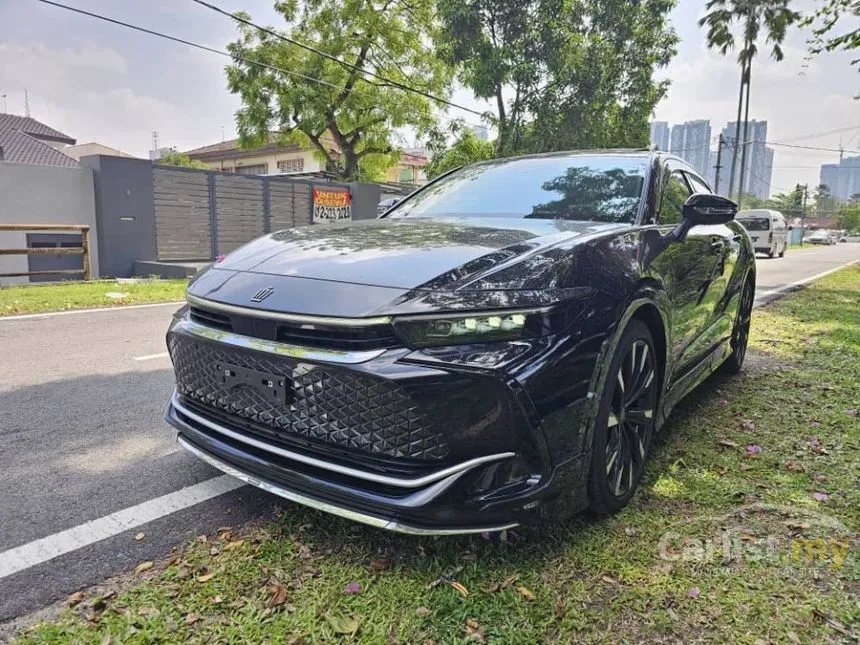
(484, 470)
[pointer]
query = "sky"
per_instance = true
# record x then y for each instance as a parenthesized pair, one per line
(101, 82)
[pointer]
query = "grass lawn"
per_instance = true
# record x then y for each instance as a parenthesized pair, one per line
(28, 299)
(744, 531)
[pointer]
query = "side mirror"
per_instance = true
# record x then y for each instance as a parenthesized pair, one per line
(703, 209)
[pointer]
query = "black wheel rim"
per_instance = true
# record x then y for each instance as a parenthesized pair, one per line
(631, 419)
(741, 335)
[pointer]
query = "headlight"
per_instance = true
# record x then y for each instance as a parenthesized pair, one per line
(465, 329)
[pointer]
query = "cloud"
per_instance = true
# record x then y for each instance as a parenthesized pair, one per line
(85, 92)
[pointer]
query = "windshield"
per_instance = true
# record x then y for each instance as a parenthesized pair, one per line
(757, 224)
(578, 188)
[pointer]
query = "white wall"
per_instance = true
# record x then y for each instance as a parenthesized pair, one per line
(32, 194)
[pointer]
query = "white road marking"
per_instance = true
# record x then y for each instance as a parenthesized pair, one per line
(149, 357)
(71, 312)
(39, 551)
(797, 283)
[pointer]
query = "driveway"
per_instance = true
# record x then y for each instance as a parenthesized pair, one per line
(87, 462)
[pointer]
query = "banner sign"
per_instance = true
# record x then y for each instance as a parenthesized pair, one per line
(331, 205)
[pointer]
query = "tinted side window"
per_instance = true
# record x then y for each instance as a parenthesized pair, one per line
(675, 194)
(698, 185)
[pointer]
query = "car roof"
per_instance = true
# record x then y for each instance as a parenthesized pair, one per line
(642, 153)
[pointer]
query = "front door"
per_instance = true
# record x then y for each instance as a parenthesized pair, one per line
(691, 273)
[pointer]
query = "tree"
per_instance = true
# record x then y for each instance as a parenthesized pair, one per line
(467, 149)
(825, 204)
(561, 73)
(347, 117)
(789, 204)
(750, 17)
(174, 158)
(848, 217)
(825, 27)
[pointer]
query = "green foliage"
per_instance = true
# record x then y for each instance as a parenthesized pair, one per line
(563, 73)
(467, 149)
(181, 159)
(826, 24)
(848, 216)
(789, 204)
(353, 113)
(825, 204)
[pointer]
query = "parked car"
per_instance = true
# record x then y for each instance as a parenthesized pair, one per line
(821, 237)
(767, 230)
(385, 204)
(499, 349)
(848, 237)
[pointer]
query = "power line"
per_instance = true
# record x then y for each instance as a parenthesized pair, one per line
(822, 134)
(212, 50)
(319, 52)
(176, 39)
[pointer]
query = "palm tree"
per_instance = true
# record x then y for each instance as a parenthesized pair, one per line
(751, 16)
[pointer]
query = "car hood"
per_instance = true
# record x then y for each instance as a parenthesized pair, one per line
(404, 253)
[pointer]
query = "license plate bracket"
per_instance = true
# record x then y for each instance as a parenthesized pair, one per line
(273, 387)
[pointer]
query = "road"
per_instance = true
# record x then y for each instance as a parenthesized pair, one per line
(81, 398)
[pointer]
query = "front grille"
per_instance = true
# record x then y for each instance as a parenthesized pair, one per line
(322, 336)
(211, 318)
(341, 407)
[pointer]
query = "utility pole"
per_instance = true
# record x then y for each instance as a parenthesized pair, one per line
(803, 213)
(26, 104)
(719, 164)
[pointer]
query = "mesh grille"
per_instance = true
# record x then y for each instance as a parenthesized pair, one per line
(337, 406)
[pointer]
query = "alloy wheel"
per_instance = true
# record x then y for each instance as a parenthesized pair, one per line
(741, 334)
(631, 419)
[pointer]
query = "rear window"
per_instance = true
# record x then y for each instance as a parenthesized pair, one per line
(756, 224)
(578, 188)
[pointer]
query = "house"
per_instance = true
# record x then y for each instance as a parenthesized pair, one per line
(409, 170)
(93, 148)
(278, 158)
(273, 158)
(28, 141)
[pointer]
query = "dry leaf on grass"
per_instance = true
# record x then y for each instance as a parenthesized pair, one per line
(460, 588)
(206, 577)
(526, 593)
(143, 566)
(279, 595)
(341, 624)
(75, 598)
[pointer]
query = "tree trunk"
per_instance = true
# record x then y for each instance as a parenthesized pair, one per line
(737, 132)
(502, 140)
(746, 131)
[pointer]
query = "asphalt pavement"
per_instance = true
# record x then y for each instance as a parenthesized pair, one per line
(82, 435)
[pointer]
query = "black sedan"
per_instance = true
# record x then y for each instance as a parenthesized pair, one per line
(499, 349)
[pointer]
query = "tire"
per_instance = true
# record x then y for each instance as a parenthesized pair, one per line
(624, 425)
(771, 253)
(784, 249)
(741, 332)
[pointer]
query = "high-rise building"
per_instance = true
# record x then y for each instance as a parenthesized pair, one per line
(758, 170)
(660, 135)
(692, 142)
(842, 178)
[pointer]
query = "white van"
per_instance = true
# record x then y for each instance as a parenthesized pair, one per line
(767, 230)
